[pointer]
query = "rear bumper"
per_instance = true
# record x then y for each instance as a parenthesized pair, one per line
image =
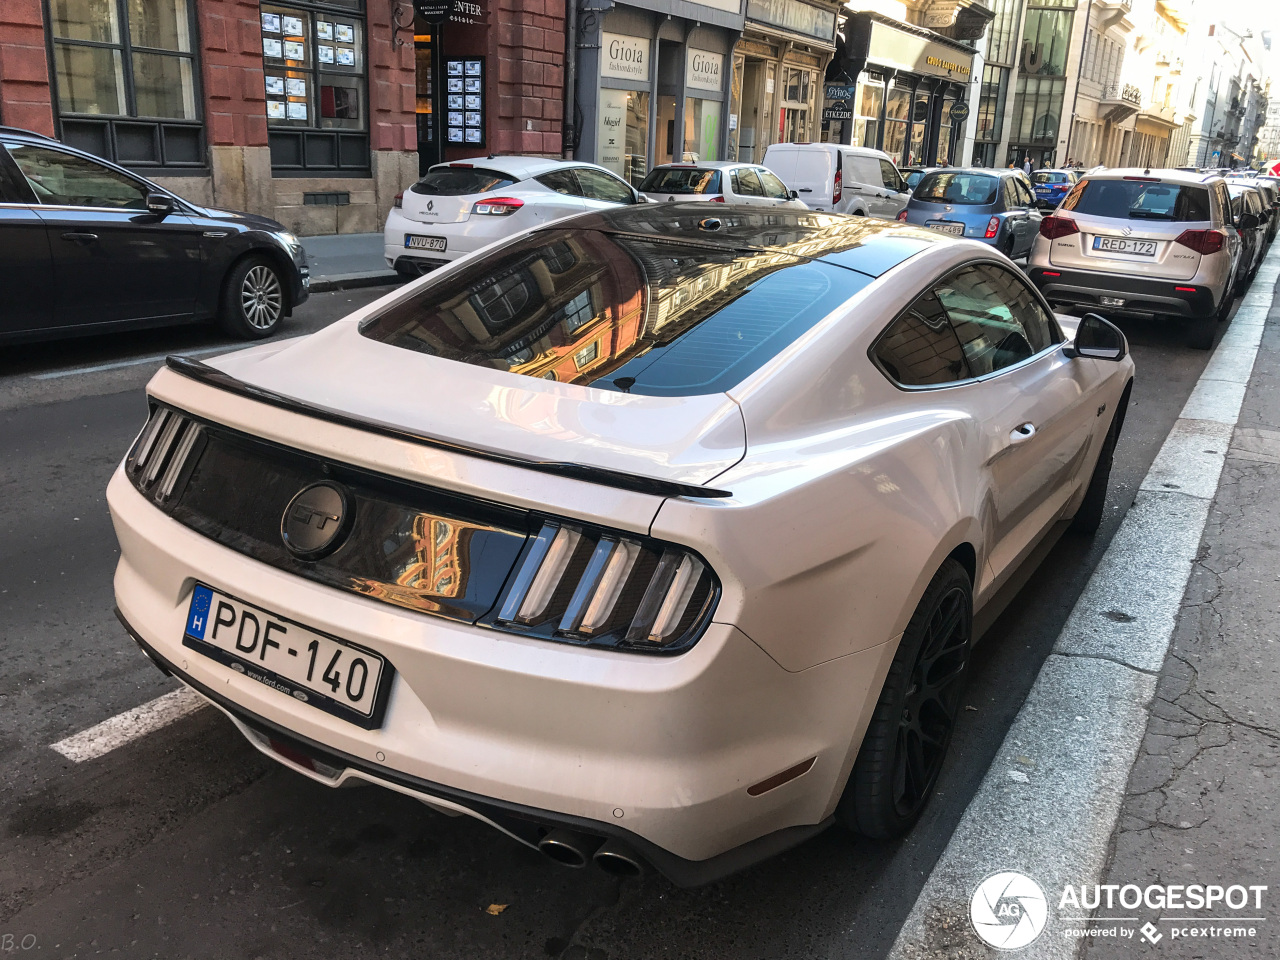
(1141, 297)
(523, 823)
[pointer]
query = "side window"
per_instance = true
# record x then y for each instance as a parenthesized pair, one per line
(561, 181)
(997, 318)
(920, 347)
(889, 174)
(1237, 203)
(1027, 194)
(746, 183)
(599, 185)
(773, 188)
(1010, 193)
(1224, 200)
(64, 179)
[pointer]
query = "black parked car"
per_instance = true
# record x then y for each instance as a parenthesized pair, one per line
(89, 247)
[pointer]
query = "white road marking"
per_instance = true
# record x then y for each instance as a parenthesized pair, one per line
(98, 368)
(101, 739)
(1078, 734)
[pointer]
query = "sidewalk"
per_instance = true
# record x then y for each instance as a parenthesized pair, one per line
(1202, 805)
(347, 260)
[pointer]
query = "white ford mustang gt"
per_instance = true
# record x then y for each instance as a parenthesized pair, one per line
(646, 537)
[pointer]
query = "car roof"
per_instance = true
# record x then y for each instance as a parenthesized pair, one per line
(988, 171)
(704, 165)
(866, 245)
(21, 132)
(1163, 174)
(514, 166)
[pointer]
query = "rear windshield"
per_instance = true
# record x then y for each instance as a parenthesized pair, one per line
(1139, 200)
(1048, 176)
(461, 181)
(978, 189)
(682, 181)
(620, 312)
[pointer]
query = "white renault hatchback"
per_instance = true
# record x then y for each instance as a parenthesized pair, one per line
(649, 536)
(459, 207)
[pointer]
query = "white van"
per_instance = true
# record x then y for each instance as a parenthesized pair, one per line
(841, 179)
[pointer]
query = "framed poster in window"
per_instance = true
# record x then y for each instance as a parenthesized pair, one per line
(467, 125)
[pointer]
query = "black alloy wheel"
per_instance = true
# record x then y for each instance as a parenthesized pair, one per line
(907, 740)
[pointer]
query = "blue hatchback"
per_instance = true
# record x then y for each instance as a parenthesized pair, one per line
(1052, 186)
(995, 206)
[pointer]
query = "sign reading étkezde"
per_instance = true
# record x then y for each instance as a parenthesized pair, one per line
(704, 70)
(623, 57)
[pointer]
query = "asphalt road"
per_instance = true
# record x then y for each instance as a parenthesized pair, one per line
(188, 843)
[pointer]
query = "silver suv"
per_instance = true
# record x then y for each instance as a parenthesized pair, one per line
(1142, 242)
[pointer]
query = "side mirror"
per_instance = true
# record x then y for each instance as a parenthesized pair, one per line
(793, 194)
(641, 198)
(1248, 221)
(1098, 339)
(159, 204)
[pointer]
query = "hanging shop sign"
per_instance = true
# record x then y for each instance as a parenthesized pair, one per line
(704, 70)
(624, 58)
(838, 91)
(959, 111)
(433, 11)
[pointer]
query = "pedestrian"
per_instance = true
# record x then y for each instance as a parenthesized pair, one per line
(1026, 164)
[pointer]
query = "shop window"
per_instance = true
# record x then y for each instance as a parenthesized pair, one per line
(702, 128)
(317, 95)
(866, 121)
(624, 133)
(126, 76)
(793, 118)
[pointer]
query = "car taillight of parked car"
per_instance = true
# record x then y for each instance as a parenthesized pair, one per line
(902, 214)
(838, 192)
(1051, 228)
(993, 227)
(1201, 241)
(498, 207)
(717, 200)
(581, 584)
(399, 201)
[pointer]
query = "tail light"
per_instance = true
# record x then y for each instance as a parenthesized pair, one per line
(717, 199)
(1201, 241)
(1051, 228)
(498, 207)
(902, 214)
(838, 192)
(399, 201)
(608, 587)
(993, 227)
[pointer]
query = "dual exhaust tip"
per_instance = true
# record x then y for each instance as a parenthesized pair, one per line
(577, 850)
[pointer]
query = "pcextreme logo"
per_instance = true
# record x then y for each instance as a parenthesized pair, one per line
(1010, 911)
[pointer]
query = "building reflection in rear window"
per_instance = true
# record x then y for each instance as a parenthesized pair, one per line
(619, 312)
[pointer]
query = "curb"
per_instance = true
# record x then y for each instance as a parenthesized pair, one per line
(350, 281)
(1049, 803)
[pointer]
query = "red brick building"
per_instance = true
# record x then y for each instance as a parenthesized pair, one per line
(314, 112)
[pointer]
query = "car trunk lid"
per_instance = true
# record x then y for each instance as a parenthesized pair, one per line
(685, 440)
(1111, 245)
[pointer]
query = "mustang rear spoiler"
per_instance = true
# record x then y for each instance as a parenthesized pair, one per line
(603, 476)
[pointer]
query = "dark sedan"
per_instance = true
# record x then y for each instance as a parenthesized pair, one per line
(89, 247)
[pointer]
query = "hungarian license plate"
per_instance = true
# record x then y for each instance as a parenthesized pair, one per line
(415, 241)
(946, 226)
(330, 674)
(1137, 248)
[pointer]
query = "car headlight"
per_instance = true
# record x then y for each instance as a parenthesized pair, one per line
(290, 242)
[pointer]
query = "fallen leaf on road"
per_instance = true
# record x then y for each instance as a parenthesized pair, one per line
(494, 909)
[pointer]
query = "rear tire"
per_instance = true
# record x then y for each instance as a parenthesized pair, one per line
(1201, 331)
(906, 742)
(253, 299)
(1089, 517)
